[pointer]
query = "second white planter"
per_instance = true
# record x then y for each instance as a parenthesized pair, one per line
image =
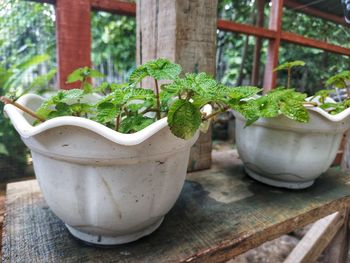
(109, 188)
(284, 153)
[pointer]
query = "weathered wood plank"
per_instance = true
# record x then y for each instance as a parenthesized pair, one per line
(185, 32)
(260, 5)
(221, 213)
(316, 239)
(73, 38)
(338, 250)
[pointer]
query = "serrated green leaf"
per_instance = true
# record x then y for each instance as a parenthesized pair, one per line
(268, 108)
(138, 74)
(45, 108)
(289, 65)
(106, 112)
(69, 96)
(248, 109)
(243, 92)
(184, 119)
(160, 69)
(76, 75)
(295, 111)
(134, 123)
(339, 80)
(82, 74)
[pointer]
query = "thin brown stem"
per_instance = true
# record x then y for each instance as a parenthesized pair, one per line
(158, 99)
(205, 118)
(117, 123)
(289, 77)
(22, 108)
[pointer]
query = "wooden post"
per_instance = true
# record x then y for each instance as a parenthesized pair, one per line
(260, 5)
(275, 23)
(183, 31)
(338, 251)
(73, 38)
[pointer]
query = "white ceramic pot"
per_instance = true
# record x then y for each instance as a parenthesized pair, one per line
(109, 188)
(285, 153)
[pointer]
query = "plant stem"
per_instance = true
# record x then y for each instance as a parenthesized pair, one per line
(117, 123)
(215, 113)
(19, 106)
(158, 100)
(289, 77)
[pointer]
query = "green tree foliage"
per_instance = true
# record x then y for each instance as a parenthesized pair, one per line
(235, 51)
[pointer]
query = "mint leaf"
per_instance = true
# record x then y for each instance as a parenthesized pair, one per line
(289, 65)
(135, 123)
(295, 111)
(106, 113)
(81, 74)
(157, 69)
(162, 69)
(184, 119)
(339, 80)
(243, 92)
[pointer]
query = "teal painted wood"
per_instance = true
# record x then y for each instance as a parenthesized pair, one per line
(220, 213)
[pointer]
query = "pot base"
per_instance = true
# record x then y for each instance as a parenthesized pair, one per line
(113, 240)
(277, 183)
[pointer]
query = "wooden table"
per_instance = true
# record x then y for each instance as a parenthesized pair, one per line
(220, 214)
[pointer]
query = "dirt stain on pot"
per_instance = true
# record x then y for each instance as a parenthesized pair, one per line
(109, 191)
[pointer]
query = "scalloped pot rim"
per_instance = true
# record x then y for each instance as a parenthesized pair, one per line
(26, 130)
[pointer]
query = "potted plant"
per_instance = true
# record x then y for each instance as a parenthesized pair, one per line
(287, 140)
(112, 164)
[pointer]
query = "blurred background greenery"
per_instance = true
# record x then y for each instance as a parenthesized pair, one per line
(28, 55)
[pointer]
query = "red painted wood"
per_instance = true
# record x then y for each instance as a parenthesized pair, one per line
(260, 5)
(300, 8)
(116, 7)
(230, 26)
(275, 23)
(73, 38)
(303, 41)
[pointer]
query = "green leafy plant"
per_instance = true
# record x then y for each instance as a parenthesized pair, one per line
(340, 81)
(289, 66)
(283, 101)
(128, 108)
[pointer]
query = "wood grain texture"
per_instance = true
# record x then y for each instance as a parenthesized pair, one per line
(317, 239)
(260, 6)
(185, 32)
(73, 38)
(338, 250)
(221, 213)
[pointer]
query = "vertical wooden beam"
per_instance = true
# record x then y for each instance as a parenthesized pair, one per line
(183, 31)
(260, 5)
(73, 38)
(275, 23)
